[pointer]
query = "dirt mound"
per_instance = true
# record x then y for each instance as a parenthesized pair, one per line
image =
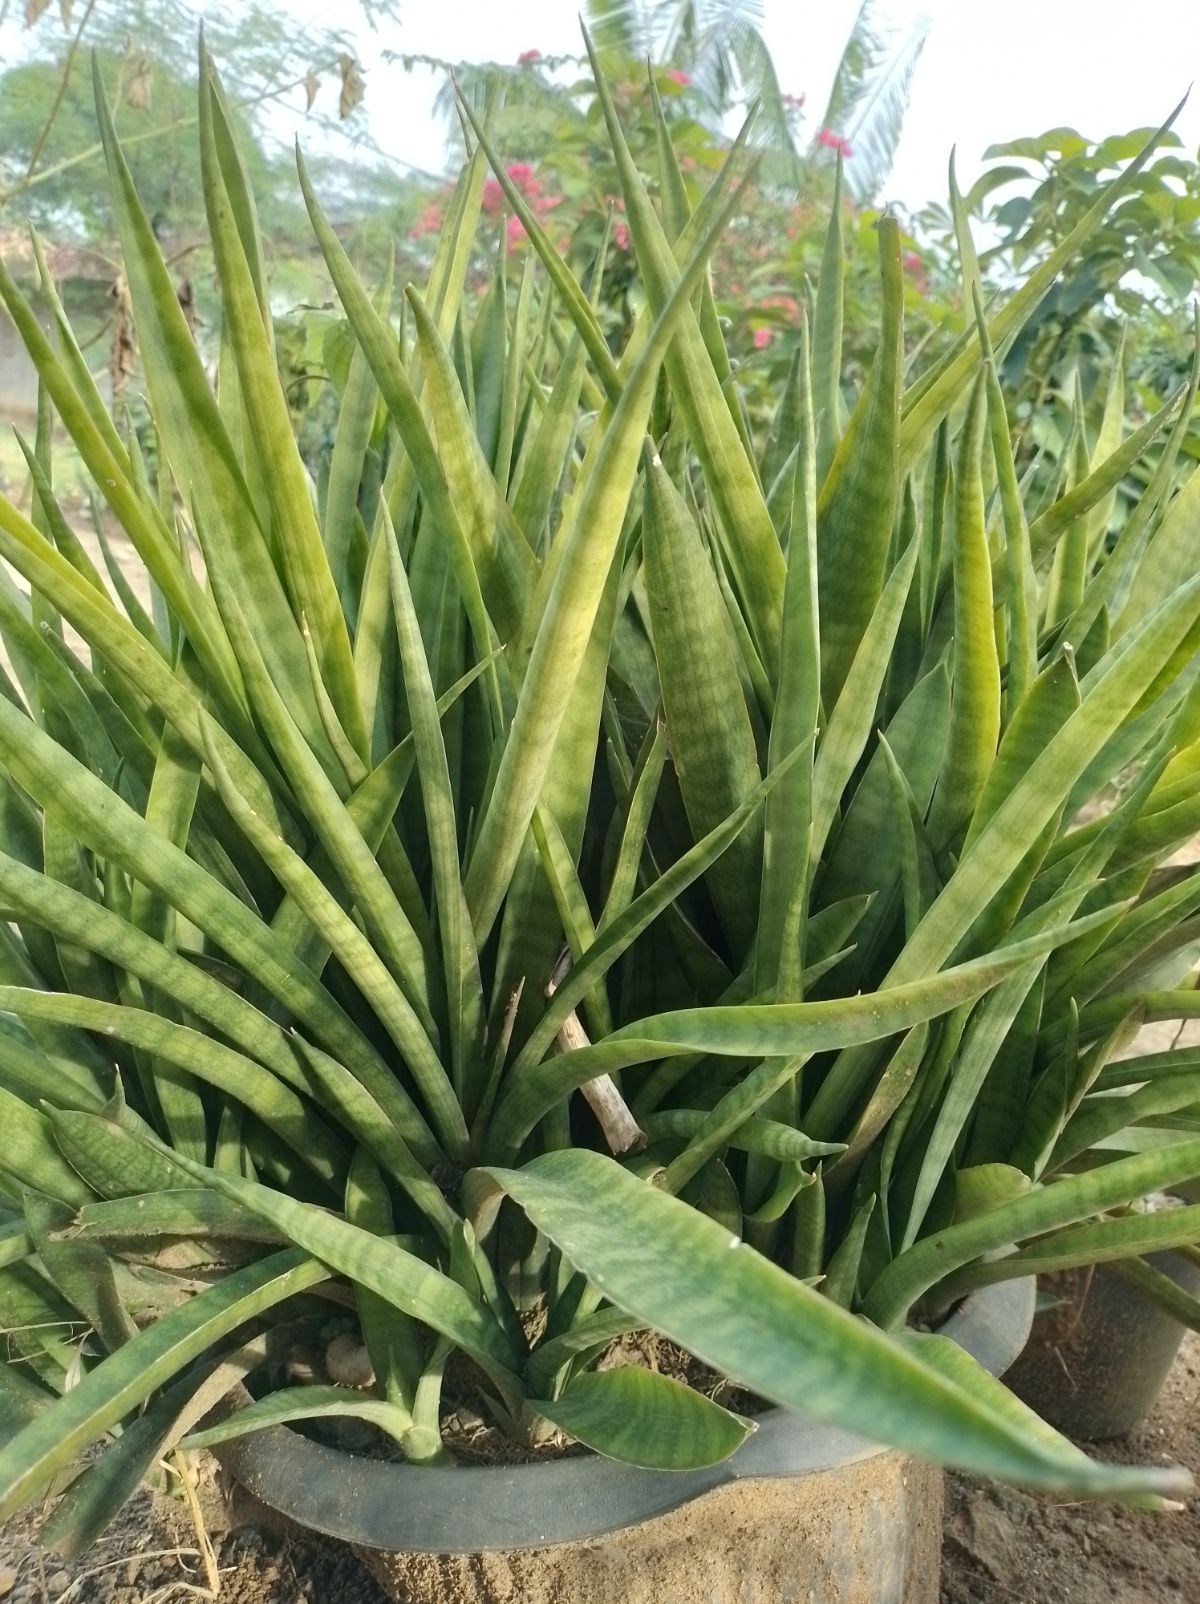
(1001, 1546)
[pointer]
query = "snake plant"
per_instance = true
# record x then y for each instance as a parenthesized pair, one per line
(574, 867)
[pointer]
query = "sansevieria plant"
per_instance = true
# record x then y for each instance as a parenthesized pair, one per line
(604, 872)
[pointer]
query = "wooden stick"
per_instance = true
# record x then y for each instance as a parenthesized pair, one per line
(621, 1131)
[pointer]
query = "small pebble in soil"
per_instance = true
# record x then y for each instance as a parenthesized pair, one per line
(8, 1580)
(58, 1582)
(348, 1362)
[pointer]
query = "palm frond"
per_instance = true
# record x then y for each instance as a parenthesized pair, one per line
(622, 27)
(869, 96)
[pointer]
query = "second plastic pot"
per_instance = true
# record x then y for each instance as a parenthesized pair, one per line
(1099, 1350)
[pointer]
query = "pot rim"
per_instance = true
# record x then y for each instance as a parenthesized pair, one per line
(464, 1509)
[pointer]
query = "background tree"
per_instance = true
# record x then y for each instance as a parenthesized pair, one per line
(146, 50)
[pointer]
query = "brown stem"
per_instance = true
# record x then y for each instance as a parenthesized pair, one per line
(60, 93)
(621, 1131)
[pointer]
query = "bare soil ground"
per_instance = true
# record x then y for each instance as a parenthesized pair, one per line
(1006, 1547)
(151, 1555)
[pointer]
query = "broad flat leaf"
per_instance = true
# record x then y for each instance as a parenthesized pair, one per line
(1093, 1242)
(15, 1242)
(400, 1277)
(643, 1418)
(859, 500)
(751, 1321)
(105, 1395)
(711, 739)
(1065, 1201)
(81, 1271)
(982, 1186)
(209, 1061)
(184, 1211)
(796, 715)
(975, 708)
(305, 1403)
(29, 1156)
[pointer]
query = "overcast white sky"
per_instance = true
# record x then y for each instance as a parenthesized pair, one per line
(991, 69)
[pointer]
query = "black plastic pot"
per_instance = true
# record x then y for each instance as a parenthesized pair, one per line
(1099, 1353)
(846, 1519)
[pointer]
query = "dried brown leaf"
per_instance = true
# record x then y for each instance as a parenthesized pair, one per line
(353, 86)
(137, 89)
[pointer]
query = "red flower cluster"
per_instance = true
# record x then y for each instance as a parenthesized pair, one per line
(528, 57)
(522, 175)
(678, 76)
(914, 265)
(833, 141)
(429, 221)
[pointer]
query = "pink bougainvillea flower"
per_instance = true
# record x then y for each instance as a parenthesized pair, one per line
(520, 173)
(493, 195)
(678, 76)
(762, 338)
(914, 265)
(833, 141)
(429, 221)
(515, 232)
(621, 236)
(528, 57)
(785, 303)
(546, 203)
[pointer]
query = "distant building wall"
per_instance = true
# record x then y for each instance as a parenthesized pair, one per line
(18, 377)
